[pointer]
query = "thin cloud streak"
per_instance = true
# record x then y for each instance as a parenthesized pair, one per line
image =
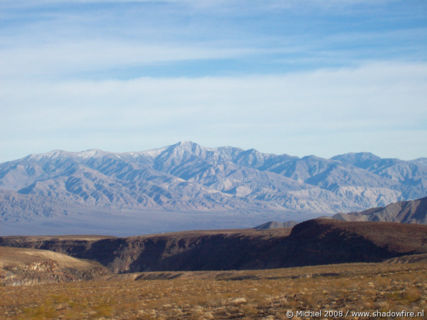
(60, 59)
(58, 41)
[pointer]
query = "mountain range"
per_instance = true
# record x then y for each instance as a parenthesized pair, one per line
(192, 178)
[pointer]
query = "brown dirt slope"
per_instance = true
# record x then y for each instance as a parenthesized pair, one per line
(23, 266)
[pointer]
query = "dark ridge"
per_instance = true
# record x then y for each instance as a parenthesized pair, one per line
(314, 242)
(413, 211)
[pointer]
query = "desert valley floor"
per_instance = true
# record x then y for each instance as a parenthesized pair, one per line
(337, 291)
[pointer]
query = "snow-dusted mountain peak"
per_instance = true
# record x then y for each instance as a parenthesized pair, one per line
(92, 153)
(191, 146)
(49, 155)
(150, 153)
(56, 154)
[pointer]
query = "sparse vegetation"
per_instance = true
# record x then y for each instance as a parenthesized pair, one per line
(257, 294)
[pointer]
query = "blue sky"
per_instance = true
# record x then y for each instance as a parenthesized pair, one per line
(317, 77)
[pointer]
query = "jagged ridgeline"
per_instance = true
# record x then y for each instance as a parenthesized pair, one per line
(187, 176)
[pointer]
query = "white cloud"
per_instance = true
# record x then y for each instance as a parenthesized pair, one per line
(339, 110)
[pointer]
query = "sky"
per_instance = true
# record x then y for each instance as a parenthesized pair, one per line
(300, 77)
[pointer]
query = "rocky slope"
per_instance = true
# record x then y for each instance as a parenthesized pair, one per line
(313, 242)
(404, 212)
(19, 266)
(187, 176)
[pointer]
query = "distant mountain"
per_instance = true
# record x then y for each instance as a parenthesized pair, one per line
(414, 211)
(188, 177)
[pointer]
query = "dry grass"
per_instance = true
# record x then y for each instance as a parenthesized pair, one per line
(258, 294)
